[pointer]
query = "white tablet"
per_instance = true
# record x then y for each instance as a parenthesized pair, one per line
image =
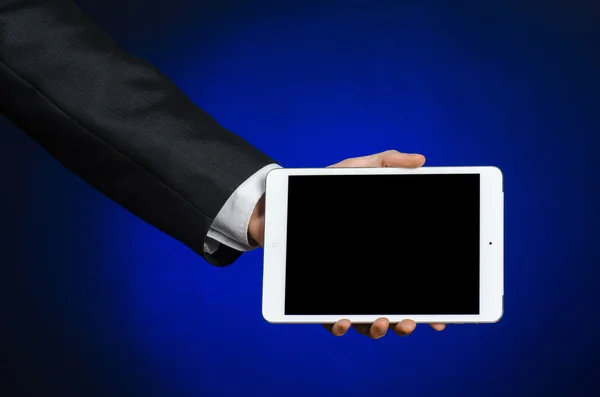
(363, 243)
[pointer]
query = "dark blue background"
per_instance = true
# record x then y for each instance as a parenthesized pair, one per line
(97, 302)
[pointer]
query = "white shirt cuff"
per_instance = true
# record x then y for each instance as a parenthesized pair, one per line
(230, 227)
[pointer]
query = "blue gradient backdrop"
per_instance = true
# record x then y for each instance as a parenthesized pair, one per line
(95, 302)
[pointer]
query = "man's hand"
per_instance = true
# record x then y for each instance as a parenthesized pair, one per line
(390, 158)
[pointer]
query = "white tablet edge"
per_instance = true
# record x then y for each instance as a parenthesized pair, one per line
(491, 255)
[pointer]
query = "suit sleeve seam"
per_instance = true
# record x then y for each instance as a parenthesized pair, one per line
(102, 140)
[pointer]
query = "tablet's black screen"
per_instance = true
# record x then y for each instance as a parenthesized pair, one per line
(383, 244)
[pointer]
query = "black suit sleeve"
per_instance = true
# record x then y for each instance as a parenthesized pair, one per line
(117, 122)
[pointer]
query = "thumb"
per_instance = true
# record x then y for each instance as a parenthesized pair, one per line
(389, 158)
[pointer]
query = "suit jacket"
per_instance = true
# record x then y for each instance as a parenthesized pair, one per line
(117, 122)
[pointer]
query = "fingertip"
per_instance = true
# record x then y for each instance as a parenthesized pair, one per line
(405, 327)
(417, 160)
(422, 159)
(438, 327)
(341, 327)
(379, 328)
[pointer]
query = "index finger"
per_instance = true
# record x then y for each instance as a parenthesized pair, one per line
(389, 158)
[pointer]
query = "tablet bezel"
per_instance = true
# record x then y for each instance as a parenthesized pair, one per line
(491, 255)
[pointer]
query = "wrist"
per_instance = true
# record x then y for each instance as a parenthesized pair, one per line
(256, 225)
